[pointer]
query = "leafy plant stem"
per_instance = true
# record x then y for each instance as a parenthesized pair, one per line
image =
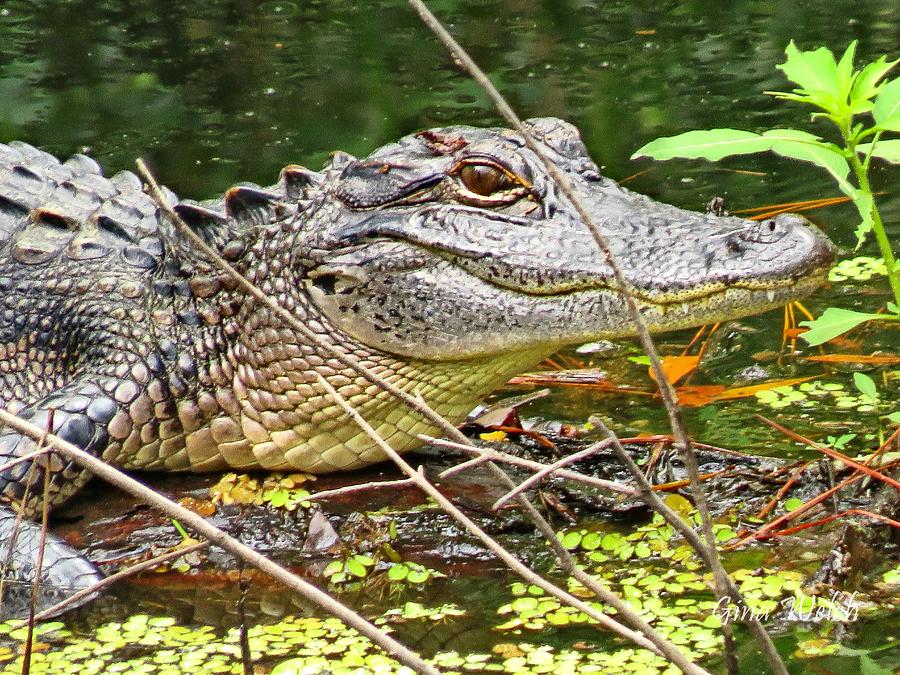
(877, 225)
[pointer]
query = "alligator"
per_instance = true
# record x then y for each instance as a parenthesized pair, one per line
(444, 262)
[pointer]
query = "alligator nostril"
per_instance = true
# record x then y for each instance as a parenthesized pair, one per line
(764, 232)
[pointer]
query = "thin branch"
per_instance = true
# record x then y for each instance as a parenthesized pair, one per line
(484, 454)
(834, 454)
(827, 519)
(462, 467)
(653, 640)
(764, 531)
(39, 562)
(222, 540)
(24, 458)
(117, 577)
(625, 289)
(549, 470)
(361, 487)
(784, 489)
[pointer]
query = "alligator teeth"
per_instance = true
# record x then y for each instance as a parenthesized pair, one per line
(770, 296)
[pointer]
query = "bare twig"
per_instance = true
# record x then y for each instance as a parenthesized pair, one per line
(223, 540)
(626, 291)
(39, 562)
(117, 577)
(834, 454)
(361, 487)
(7, 562)
(484, 454)
(653, 640)
(549, 470)
(462, 467)
(765, 531)
(24, 458)
(246, 660)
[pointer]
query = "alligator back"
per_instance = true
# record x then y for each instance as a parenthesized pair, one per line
(51, 209)
(88, 262)
(48, 208)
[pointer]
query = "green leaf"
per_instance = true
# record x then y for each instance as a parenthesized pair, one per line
(841, 441)
(333, 567)
(844, 74)
(591, 541)
(725, 534)
(857, 107)
(892, 576)
(807, 147)
(356, 568)
(525, 604)
(817, 74)
(869, 666)
(278, 498)
(887, 106)
(712, 144)
(792, 504)
(611, 541)
(865, 86)
(397, 572)
(894, 417)
(571, 540)
(865, 384)
(886, 150)
(833, 322)
(418, 576)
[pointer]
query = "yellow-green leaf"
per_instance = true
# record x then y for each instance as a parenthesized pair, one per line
(712, 144)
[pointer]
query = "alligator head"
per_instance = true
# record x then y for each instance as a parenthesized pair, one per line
(454, 244)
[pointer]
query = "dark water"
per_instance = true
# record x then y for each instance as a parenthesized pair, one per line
(212, 93)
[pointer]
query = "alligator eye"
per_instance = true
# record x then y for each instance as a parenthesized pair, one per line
(483, 179)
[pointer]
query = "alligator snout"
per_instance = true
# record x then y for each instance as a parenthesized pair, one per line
(788, 239)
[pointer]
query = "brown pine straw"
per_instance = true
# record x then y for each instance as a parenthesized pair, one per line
(783, 490)
(766, 531)
(834, 454)
(840, 514)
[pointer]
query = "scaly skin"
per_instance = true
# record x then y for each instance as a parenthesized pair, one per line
(445, 262)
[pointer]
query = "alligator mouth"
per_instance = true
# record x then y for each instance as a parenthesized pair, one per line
(769, 288)
(680, 309)
(774, 289)
(729, 302)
